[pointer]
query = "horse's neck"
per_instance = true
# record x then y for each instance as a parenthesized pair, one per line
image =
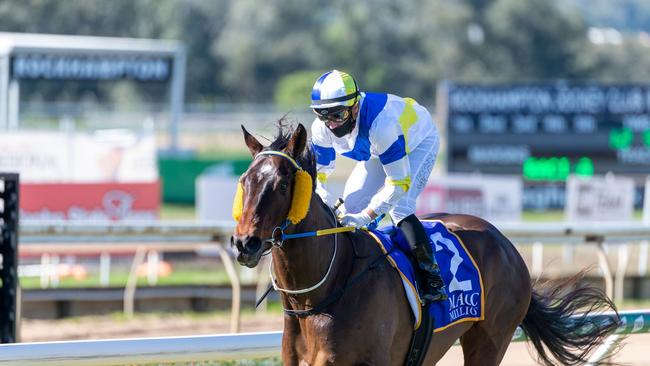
(302, 263)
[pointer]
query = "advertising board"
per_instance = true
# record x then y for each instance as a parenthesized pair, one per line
(90, 201)
(487, 196)
(600, 198)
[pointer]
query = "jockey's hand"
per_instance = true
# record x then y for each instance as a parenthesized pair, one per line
(357, 220)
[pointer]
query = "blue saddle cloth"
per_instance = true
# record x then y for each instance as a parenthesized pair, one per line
(459, 271)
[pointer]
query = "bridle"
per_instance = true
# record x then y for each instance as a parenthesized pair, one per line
(277, 242)
(278, 235)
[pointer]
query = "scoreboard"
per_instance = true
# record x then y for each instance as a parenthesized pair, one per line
(550, 130)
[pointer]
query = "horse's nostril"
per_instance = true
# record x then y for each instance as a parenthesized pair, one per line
(253, 244)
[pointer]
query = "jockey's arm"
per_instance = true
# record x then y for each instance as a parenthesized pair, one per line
(392, 153)
(397, 184)
(325, 164)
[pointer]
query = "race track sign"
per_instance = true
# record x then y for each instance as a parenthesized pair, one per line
(53, 66)
(599, 199)
(548, 131)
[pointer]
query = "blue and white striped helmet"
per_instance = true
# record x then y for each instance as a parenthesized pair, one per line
(334, 88)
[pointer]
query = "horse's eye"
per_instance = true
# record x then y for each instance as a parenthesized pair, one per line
(284, 186)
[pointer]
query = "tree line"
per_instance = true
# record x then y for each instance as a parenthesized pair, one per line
(249, 51)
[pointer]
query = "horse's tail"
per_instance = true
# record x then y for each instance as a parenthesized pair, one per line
(558, 317)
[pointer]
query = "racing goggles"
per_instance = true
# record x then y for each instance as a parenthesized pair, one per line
(338, 114)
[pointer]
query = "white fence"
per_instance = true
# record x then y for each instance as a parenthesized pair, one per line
(209, 348)
(142, 350)
(170, 236)
(226, 347)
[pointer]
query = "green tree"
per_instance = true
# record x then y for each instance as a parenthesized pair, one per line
(294, 90)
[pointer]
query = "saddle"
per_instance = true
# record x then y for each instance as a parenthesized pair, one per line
(458, 270)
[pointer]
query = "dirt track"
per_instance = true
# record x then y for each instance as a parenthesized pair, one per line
(148, 325)
(635, 352)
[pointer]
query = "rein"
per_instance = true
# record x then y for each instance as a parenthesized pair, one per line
(278, 240)
(329, 269)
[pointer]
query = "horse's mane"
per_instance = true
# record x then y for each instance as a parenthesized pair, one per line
(307, 159)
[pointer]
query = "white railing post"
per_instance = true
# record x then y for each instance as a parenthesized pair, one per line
(621, 268)
(104, 269)
(606, 269)
(132, 283)
(235, 317)
(643, 259)
(537, 259)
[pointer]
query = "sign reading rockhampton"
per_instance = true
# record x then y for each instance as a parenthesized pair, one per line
(90, 67)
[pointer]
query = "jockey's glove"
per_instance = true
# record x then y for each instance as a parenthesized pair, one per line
(357, 220)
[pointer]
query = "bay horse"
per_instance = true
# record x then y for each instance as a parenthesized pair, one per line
(344, 303)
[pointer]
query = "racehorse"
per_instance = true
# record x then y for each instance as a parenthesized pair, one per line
(344, 303)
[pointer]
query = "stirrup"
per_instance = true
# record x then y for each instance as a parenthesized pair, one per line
(438, 294)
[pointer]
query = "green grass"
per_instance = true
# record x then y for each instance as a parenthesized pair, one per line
(558, 215)
(118, 279)
(188, 212)
(634, 304)
(171, 211)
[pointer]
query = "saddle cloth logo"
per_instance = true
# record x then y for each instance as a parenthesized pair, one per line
(458, 269)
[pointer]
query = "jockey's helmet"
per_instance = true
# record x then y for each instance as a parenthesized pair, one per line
(332, 98)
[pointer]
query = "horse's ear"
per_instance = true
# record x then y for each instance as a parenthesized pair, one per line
(297, 142)
(253, 145)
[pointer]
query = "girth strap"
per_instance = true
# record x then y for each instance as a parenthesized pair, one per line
(421, 339)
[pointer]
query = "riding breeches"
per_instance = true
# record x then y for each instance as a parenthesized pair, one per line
(368, 177)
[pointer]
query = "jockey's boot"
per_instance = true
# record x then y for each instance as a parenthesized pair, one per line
(434, 287)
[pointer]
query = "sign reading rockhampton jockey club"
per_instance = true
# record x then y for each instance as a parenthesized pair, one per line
(90, 67)
(547, 131)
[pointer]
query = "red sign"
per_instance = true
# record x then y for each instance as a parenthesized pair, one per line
(90, 201)
(432, 199)
(438, 198)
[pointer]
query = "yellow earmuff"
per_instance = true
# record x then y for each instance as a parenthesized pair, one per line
(301, 197)
(238, 203)
(299, 202)
(302, 191)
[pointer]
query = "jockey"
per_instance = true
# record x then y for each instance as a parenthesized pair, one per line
(395, 143)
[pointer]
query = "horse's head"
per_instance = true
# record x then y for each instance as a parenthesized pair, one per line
(267, 194)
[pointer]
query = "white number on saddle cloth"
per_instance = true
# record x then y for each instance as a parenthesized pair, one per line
(456, 260)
